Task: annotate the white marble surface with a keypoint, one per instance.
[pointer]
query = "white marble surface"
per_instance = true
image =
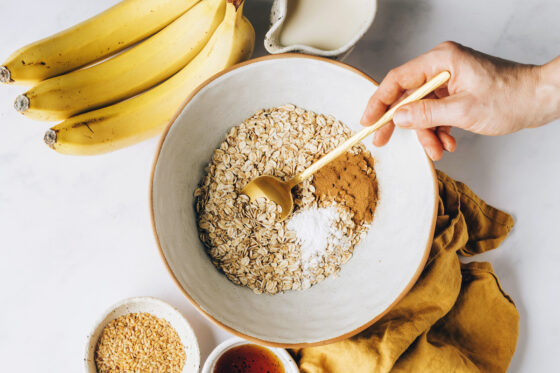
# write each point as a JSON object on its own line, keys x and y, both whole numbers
{"x": 75, "y": 233}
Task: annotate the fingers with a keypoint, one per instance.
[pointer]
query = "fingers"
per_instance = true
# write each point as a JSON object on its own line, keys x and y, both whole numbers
{"x": 430, "y": 113}
{"x": 434, "y": 146}
{"x": 431, "y": 143}
{"x": 411, "y": 75}
{"x": 383, "y": 134}
{"x": 436, "y": 141}
{"x": 448, "y": 141}
{"x": 374, "y": 110}
{"x": 407, "y": 76}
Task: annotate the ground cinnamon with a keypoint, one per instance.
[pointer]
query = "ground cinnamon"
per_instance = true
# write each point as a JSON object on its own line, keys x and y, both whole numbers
{"x": 349, "y": 180}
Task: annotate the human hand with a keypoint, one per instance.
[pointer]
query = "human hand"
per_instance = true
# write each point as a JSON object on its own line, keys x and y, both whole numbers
{"x": 484, "y": 95}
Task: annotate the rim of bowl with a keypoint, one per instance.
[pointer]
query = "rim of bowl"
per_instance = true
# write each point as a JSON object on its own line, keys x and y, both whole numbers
{"x": 317, "y": 51}
{"x": 285, "y": 358}
{"x": 90, "y": 337}
{"x": 229, "y": 329}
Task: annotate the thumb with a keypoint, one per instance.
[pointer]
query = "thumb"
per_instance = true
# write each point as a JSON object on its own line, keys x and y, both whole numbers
{"x": 428, "y": 113}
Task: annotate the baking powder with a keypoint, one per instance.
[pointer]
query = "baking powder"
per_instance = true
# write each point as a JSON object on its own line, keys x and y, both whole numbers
{"x": 316, "y": 232}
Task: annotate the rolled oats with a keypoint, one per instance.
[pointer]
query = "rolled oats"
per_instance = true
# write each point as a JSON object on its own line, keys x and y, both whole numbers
{"x": 245, "y": 239}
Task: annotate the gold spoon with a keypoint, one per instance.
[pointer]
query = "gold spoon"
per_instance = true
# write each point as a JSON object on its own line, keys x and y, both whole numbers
{"x": 279, "y": 191}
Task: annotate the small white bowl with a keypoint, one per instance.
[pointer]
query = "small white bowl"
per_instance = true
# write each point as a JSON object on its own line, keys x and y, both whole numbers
{"x": 277, "y": 19}
{"x": 154, "y": 307}
{"x": 287, "y": 362}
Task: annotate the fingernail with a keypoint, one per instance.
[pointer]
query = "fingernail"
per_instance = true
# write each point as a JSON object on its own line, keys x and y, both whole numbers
{"x": 365, "y": 116}
{"x": 403, "y": 118}
{"x": 431, "y": 153}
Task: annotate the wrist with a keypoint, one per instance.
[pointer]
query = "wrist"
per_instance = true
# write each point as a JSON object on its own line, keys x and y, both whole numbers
{"x": 548, "y": 91}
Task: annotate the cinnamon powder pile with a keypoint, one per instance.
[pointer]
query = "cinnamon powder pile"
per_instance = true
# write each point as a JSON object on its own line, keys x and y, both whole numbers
{"x": 349, "y": 180}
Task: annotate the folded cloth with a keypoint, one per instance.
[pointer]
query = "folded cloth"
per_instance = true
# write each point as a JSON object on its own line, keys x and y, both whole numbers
{"x": 456, "y": 318}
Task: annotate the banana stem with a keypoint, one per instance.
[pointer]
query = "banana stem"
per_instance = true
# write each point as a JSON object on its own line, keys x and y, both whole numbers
{"x": 236, "y": 3}
{"x": 5, "y": 75}
{"x": 50, "y": 137}
{"x": 21, "y": 103}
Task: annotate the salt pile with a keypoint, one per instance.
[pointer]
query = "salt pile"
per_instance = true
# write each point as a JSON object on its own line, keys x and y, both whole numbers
{"x": 316, "y": 232}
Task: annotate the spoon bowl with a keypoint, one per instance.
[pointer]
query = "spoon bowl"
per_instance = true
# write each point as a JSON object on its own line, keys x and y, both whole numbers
{"x": 273, "y": 189}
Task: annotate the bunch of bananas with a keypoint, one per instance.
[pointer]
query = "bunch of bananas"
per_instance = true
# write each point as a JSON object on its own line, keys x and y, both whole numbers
{"x": 133, "y": 95}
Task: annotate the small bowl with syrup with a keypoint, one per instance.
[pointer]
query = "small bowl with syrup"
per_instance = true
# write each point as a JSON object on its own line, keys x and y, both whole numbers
{"x": 240, "y": 356}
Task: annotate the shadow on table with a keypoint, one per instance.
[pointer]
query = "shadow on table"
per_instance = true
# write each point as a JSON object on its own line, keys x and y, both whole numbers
{"x": 258, "y": 12}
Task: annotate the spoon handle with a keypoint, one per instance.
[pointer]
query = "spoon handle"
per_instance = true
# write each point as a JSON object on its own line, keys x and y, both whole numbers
{"x": 421, "y": 92}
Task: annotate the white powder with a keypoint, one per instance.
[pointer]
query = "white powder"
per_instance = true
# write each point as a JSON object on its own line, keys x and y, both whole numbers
{"x": 316, "y": 232}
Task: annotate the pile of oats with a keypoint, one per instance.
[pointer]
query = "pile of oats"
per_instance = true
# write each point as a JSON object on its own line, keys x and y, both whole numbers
{"x": 244, "y": 239}
{"x": 139, "y": 342}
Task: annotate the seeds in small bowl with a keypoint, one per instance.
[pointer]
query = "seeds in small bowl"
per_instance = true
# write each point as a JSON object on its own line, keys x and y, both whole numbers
{"x": 139, "y": 342}
{"x": 156, "y": 309}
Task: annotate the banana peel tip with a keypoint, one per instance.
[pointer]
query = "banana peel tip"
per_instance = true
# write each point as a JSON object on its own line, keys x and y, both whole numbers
{"x": 21, "y": 103}
{"x": 50, "y": 138}
{"x": 5, "y": 75}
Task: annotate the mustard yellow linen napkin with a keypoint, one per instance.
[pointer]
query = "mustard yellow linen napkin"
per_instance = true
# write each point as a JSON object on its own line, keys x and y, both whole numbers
{"x": 455, "y": 319}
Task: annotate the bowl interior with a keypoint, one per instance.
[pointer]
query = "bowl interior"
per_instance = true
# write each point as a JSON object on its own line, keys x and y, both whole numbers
{"x": 386, "y": 262}
{"x": 157, "y": 308}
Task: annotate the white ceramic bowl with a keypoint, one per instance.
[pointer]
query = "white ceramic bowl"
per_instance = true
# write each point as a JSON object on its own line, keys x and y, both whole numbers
{"x": 278, "y": 16}
{"x": 385, "y": 264}
{"x": 287, "y": 362}
{"x": 157, "y": 308}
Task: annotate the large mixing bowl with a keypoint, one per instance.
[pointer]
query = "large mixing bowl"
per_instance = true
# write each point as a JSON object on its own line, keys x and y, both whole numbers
{"x": 385, "y": 264}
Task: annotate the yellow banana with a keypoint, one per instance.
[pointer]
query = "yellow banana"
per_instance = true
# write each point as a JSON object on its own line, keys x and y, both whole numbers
{"x": 103, "y": 35}
{"x": 127, "y": 74}
{"x": 144, "y": 116}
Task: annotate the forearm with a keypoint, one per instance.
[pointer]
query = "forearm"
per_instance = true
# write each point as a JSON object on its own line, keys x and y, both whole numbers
{"x": 548, "y": 92}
